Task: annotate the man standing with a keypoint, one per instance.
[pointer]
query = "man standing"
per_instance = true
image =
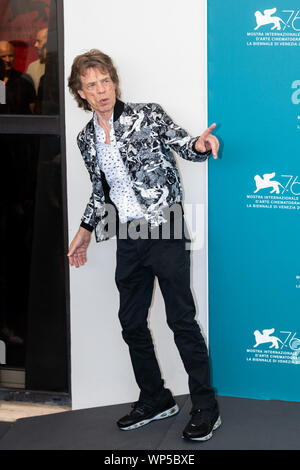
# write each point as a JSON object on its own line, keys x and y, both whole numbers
{"x": 37, "y": 68}
{"x": 127, "y": 150}
{"x": 20, "y": 95}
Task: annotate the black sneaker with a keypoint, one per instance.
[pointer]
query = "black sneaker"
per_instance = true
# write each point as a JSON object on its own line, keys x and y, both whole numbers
{"x": 201, "y": 425}
{"x": 143, "y": 414}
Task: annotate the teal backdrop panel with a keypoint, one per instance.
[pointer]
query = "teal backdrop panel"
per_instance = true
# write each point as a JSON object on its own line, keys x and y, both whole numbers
{"x": 254, "y": 198}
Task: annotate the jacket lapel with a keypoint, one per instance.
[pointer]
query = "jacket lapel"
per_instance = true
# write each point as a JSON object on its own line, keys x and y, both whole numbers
{"x": 120, "y": 128}
{"x": 90, "y": 138}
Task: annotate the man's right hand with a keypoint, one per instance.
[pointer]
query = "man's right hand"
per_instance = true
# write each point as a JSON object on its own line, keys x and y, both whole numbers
{"x": 78, "y": 248}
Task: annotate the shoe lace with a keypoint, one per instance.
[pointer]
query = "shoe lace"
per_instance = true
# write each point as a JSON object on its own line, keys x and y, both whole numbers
{"x": 200, "y": 416}
{"x": 140, "y": 408}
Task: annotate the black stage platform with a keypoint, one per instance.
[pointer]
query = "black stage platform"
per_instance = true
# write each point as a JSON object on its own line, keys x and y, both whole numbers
{"x": 246, "y": 425}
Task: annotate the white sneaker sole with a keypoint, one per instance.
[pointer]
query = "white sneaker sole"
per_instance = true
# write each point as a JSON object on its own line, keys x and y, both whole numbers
{"x": 208, "y": 436}
{"x": 164, "y": 414}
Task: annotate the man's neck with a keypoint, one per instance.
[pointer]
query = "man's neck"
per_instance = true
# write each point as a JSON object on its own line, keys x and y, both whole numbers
{"x": 103, "y": 121}
{"x": 104, "y": 117}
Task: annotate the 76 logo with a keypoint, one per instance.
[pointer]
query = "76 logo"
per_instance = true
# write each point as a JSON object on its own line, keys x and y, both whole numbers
{"x": 292, "y": 185}
{"x": 293, "y": 20}
{"x": 290, "y": 341}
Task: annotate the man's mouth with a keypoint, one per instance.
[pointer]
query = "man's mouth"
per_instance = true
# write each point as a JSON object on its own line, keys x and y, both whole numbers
{"x": 104, "y": 101}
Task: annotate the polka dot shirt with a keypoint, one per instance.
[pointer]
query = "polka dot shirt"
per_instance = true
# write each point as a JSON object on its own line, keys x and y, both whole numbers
{"x": 111, "y": 163}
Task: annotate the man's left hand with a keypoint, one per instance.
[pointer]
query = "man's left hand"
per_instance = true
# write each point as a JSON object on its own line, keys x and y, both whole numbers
{"x": 207, "y": 141}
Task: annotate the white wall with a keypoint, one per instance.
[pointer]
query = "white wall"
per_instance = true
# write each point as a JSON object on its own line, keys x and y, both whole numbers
{"x": 159, "y": 47}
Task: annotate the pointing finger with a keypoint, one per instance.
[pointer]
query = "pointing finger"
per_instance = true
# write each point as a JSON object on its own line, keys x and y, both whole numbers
{"x": 208, "y": 131}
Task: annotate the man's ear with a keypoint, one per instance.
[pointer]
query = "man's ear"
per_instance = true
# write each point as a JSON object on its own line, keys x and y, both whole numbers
{"x": 81, "y": 94}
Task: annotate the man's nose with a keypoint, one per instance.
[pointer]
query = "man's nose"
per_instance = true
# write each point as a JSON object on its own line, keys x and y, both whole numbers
{"x": 100, "y": 88}
{"x": 8, "y": 61}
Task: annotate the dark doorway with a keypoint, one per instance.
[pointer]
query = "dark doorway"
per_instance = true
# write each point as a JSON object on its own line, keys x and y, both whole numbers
{"x": 34, "y": 296}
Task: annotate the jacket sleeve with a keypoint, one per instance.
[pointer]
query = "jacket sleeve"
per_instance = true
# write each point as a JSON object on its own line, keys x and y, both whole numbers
{"x": 87, "y": 220}
{"x": 178, "y": 139}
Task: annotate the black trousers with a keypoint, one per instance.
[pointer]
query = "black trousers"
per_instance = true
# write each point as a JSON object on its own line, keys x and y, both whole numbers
{"x": 139, "y": 261}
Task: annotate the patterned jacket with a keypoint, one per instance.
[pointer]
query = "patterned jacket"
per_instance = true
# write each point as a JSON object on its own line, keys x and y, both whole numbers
{"x": 145, "y": 136}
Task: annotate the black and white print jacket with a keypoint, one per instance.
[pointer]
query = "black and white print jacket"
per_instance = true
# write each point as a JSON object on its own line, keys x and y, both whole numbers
{"x": 145, "y": 136}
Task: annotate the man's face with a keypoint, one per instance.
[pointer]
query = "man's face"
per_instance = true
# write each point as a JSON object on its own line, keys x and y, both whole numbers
{"x": 98, "y": 90}
{"x": 40, "y": 43}
{"x": 7, "y": 54}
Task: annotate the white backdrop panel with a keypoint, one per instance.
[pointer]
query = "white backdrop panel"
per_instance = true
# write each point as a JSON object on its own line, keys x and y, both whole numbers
{"x": 159, "y": 48}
